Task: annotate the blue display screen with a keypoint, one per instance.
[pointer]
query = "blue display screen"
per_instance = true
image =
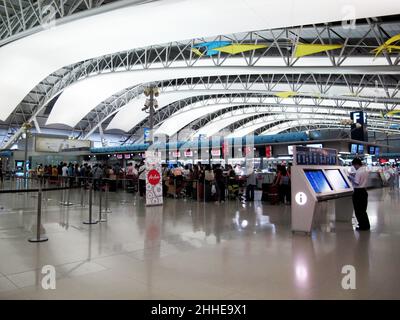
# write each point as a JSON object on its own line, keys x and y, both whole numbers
{"x": 360, "y": 148}
{"x": 318, "y": 181}
{"x": 371, "y": 150}
{"x": 377, "y": 151}
{"x": 337, "y": 179}
{"x": 353, "y": 148}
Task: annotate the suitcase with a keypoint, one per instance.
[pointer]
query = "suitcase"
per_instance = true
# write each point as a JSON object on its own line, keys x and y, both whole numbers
{"x": 273, "y": 195}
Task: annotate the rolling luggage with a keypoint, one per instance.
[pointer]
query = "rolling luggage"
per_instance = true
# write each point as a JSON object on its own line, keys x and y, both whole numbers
{"x": 273, "y": 195}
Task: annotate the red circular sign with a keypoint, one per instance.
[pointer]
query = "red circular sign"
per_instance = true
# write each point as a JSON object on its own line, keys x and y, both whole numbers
{"x": 153, "y": 177}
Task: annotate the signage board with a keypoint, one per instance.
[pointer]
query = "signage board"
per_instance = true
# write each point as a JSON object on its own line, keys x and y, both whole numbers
{"x": 154, "y": 190}
{"x": 146, "y": 135}
{"x": 49, "y": 144}
{"x": 315, "y": 156}
{"x": 268, "y": 151}
{"x": 188, "y": 153}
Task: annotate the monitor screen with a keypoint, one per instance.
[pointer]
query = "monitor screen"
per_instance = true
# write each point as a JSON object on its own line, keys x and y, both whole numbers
{"x": 377, "y": 151}
{"x": 318, "y": 180}
{"x": 337, "y": 179}
{"x": 315, "y": 145}
{"x": 353, "y": 148}
{"x": 371, "y": 150}
{"x": 19, "y": 163}
{"x": 360, "y": 148}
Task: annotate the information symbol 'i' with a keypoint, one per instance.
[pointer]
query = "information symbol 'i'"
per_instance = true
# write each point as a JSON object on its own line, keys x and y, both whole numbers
{"x": 301, "y": 198}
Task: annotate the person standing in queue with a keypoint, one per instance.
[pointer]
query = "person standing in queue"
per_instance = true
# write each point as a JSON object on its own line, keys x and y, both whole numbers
{"x": 360, "y": 195}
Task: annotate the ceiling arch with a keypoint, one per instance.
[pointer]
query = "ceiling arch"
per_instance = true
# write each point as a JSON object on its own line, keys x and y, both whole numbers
{"x": 110, "y": 32}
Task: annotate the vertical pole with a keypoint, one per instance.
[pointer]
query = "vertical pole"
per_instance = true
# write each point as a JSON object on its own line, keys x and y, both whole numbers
{"x": 90, "y": 221}
{"x": 100, "y": 194}
{"x": 38, "y": 237}
{"x": 151, "y": 113}
{"x": 82, "y": 196}
{"x": 25, "y": 153}
{"x": 107, "y": 209}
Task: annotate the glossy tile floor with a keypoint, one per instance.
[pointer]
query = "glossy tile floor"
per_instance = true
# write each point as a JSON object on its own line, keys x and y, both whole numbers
{"x": 192, "y": 250}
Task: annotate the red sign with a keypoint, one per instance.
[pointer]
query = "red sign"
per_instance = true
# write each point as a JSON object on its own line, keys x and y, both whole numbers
{"x": 225, "y": 149}
{"x": 153, "y": 177}
{"x": 268, "y": 151}
{"x": 215, "y": 152}
{"x": 188, "y": 153}
{"x": 176, "y": 154}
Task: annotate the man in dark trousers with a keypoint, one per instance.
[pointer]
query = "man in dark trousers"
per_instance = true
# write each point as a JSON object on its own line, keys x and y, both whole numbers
{"x": 360, "y": 195}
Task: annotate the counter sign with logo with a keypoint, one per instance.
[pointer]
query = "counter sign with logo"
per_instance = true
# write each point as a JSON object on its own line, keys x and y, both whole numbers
{"x": 154, "y": 195}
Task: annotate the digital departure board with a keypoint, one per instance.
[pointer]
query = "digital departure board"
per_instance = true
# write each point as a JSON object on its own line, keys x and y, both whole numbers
{"x": 315, "y": 156}
{"x": 318, "y": 180}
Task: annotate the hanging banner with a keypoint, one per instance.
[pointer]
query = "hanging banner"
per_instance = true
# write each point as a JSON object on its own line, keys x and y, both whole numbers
{"x": 305, "y": 49}
{"x": 146, "y": 135}
{"x": 154, "y": 194}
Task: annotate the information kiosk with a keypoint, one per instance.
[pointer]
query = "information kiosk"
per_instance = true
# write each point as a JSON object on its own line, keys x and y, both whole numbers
{"x": 317, "y": 177}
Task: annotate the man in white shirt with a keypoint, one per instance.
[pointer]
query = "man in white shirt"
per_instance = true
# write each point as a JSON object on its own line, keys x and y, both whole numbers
{"x": 65, "y": 170}
{"x": 360, "y": 195}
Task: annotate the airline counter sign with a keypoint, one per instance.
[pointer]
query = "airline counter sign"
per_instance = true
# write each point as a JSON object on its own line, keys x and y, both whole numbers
{"x": 154, "y": 195}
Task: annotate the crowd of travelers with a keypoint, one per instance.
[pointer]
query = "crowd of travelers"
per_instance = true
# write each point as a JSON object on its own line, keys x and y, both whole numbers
{"x": 204, "y": 182}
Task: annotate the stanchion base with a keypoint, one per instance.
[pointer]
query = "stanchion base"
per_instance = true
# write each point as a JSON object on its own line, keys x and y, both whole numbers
{"x": 41, "y": 239}
{"x": 66, "y": 204}
{"x": 90, "y": 222}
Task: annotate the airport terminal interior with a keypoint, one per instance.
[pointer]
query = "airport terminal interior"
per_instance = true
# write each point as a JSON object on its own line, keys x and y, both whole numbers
{"x": 199, "y": 149}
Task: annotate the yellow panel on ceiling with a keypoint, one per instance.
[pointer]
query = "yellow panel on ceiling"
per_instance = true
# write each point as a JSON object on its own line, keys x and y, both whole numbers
{"x": 388, "y": 45}
{"x": 388, "y": 48}
{"x": 303, "y": 49}
{"x": 285, "y": 94}
{"x": 392, "y": 113}
{"x": 197, "y": 51}
{"x": 239, "y": 48}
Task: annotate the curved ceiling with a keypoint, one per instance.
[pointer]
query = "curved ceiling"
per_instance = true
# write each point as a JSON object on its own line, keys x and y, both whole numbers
{"x": 26, "y": 62}
{"x": 187, "y": 115}
{"x": 80, "y": 98}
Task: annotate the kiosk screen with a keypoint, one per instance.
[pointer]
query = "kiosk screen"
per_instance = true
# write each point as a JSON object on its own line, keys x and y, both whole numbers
{"x": 318, "y": 180}
{"x": 337, "y": 179}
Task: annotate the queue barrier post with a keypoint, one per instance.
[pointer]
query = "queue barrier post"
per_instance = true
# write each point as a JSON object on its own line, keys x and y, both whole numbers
{"x": 107, "y": 209}
{"x": 101, "y": 219}
{"x": 83, "y": 191}
{"x": 39, "y": 237}
{"x": 66, "y": 194}
{"x": 90, "y": 221}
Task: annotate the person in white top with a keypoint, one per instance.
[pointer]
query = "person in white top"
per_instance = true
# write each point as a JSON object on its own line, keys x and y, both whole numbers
{"x": 360, "y": 195}
{"x": 65, "y": 170}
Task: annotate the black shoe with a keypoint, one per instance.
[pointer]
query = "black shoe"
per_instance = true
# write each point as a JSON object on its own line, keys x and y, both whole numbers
{"x": 362, "y": 229}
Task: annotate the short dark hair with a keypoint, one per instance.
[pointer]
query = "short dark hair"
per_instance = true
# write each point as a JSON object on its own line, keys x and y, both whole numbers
{"x": 356, "y": 161}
